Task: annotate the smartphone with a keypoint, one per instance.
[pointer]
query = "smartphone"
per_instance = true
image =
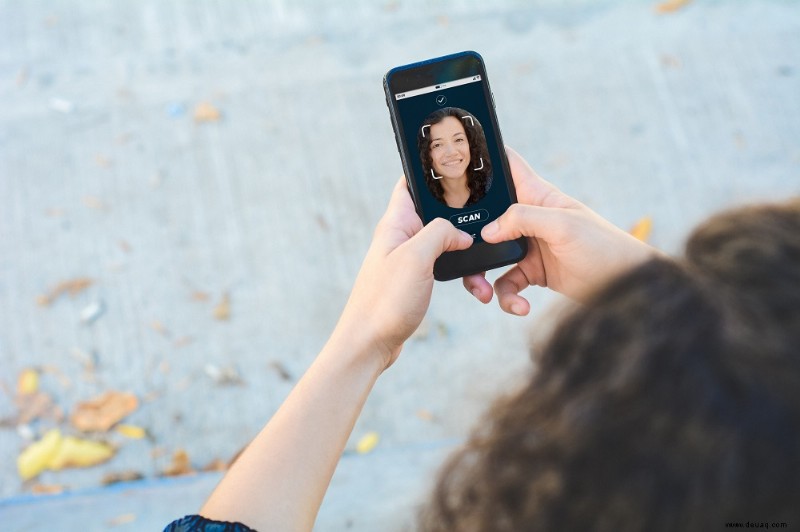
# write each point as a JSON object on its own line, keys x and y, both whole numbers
{"x": 445, "y": 125}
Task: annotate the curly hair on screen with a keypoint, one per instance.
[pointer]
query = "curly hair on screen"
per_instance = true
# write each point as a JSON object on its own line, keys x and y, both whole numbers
{"x": 669, "y": 401}
{"x": 478, "y": 181}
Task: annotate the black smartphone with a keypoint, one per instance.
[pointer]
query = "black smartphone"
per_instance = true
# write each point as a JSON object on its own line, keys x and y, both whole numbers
{"x": 446, "y": 129}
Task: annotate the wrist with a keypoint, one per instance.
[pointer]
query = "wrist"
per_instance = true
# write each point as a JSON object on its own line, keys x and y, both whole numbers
{"x": 357, "y": 348}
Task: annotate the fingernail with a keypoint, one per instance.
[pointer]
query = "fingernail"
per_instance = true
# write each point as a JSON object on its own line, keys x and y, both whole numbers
{"x": 517, "y": 309}
{"x": 490, "y": 229}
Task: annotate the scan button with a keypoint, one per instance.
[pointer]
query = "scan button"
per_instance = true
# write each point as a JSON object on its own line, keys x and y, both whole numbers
{"x": 466, "y": 218}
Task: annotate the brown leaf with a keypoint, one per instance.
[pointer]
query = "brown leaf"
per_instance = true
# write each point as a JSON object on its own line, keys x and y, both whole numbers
{"x": 180, "y": 465}
{"x": 215, "y": 465}
{"x": 205, "y": 112}
{"x": 670, "y": 6}
{"x": 160, "y": 328}
{"x": 35, "y": 406}
{"x": 425, "y": 415}
{"x": 223, "y": 309}
{"x": 122, "y": 519}
{"x": 72, "y": 287}
{"x": 95, "y": 203}
{"x": 47, "y": 489}
{"x": 116, "y": 477}
{"x": 281, "y": 370}
{"x": 103, "y": 412}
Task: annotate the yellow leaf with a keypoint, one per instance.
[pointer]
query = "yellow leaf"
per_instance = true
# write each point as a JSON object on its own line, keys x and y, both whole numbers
{"x": 671, "y": 5}
{"x": 132, "y": 431}
{"x": 223, "y": 310}
{"x": 74, "y": 452}
{"x": 28, "y": 382}
{"x": 642, "y": 228}
{"x": 205, "y": 112}
{"x": 367, "y": 442}
{"x": 122, "y": 519}
{"x": 36, "y": 457}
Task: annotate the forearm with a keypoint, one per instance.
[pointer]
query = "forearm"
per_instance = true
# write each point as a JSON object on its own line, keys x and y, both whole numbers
{"x": 280, "y": 479}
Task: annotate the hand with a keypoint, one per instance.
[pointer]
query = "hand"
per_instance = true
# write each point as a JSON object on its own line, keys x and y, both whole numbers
{"x": 393, "y": 289}
{"x": 571, "y": 249}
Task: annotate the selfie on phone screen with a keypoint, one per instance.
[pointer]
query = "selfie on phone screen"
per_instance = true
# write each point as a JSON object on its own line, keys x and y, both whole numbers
{"x": 448, "y": 137}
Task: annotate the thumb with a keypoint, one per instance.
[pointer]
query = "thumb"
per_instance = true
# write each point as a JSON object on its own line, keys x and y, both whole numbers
{"x": 436, "y": 238}
{"x": 528, "y": 221}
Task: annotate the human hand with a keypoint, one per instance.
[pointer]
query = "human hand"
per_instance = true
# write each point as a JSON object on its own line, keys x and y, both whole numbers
{"x": 570, "y": 248}
{"x": 393, "y": 288}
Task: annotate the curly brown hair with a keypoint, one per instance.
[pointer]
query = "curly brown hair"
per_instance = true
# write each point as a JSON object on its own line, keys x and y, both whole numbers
{"x": 478, "y": 181}
{"x": 670, "y": 401}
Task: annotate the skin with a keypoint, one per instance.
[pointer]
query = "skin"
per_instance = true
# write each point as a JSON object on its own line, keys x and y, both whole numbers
{"x": 280, "y": 479}
{"x": 451, "y": 158}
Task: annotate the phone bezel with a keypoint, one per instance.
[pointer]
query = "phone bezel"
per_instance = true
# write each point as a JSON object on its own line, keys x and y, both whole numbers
{"x": 481, "y": 256}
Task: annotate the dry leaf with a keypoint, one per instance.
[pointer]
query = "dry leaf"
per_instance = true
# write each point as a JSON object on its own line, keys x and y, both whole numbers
{"x": 180, "y": 465}
{"x": 223, "y": 310}
{"x": 35, "y": 406}
{"x": 183, "y": 341}
{"x": 216, "y": 465}
{"x": 121, "y": 476}
{"x": 95, "y": 203}
{"x": 28, "y": 382}
{"x": 281, "y": 370}
{"x": 122, "y": 519}
{"x": 670, "y": 6}
{"x": 47, "y": 489}
{"x": 103, "y": 412}
{"x": 132, "y": 431}
{"x": 159, "y": 328}
{"x": 205, "y": 112}
{"x": 102, "y": 161}
{"x": 49, "y": 369}
{"x": 642, "y": 228}
{"x": 76, "y": 452}
{"x": 72, "y": 287}
{"x": 367, "y": 442}
{"x": 425, "y": 415}
{"x": 198, "y": 295}
{"x": 36, "y": 457}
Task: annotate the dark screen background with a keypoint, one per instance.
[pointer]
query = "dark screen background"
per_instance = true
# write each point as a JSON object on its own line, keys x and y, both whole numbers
{"x": 472, "y": 98}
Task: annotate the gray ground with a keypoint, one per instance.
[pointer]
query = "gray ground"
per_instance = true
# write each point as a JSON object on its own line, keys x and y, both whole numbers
{"x": 104, "y": 174}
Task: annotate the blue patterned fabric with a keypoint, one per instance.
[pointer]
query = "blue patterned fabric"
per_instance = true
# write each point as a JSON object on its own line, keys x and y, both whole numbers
{"x": 198, "y": 523}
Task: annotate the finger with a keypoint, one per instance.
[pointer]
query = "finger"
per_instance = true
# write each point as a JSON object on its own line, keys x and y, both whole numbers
{"x": 400, "y": 221}
{"x": 551, "y": 225}
{"x": 479, "y": 287}
{"x": 508, "y": 286}
{"x": 400, "y": 196}
{"x": 436, "y": 238}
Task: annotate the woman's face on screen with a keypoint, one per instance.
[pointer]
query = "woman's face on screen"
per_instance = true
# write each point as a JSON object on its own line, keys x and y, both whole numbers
{"x": 449, "y": 148}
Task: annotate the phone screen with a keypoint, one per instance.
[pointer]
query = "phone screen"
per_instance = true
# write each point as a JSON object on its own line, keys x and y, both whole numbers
{"x": 447, "y": 134}
{"x": 454, "y": 153}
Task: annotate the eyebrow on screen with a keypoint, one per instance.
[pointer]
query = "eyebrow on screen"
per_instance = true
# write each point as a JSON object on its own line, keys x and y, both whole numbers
{"x": 440, "y": 138}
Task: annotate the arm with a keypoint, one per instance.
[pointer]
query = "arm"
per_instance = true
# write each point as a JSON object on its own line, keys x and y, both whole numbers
{"x": 280, "y": 479}
{"x": 571, "y": 249}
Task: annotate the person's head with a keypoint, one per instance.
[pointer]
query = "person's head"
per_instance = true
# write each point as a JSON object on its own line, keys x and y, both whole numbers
{"x": 670, "y": 401}
{"x": 452, "y": 146}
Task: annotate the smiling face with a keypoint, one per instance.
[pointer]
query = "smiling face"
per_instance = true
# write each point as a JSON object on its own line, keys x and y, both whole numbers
{"x": 449, "y": 148}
